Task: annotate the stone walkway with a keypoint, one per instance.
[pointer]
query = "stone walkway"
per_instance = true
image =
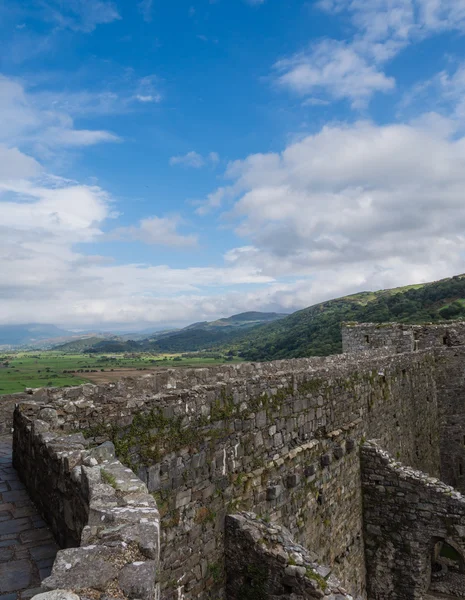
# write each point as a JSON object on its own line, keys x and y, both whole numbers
{"x": 27, "y": 547}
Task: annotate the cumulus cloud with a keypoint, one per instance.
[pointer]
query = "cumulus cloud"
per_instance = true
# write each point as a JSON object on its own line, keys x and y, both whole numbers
{"x": 44, "y": 218}
{"x": 335, "y": 68}
{"x": 348, "y": 208}
{"x": 161, "y": 231}
{"x": 354, "y": 69}
{"x": 366, "y": 204}
{"x": 195, "y": 160}
{"x": 14, "y": 164}
{"x": 47, "y": 221}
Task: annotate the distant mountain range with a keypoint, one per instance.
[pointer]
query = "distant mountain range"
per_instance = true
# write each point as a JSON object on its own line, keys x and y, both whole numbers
{"x": 197, "y": 336}
{"x": 32, "y": 333}
{"x": 313, "y": 331}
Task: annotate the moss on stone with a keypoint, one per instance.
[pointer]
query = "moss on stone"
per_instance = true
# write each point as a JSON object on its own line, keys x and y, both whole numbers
{"x": 311, "y": 386}
{"x": 108, "y": 478}
{"x": 311, "y": 574}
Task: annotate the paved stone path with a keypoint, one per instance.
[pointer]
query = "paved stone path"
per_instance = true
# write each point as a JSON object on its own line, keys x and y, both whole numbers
{"x": 27, "y": 547}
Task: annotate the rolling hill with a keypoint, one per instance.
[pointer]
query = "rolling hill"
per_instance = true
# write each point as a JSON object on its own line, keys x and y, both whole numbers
{"x": 313, "y": 331}
{"x": 316, "y": 331}
{"x": 197, "y": 336}
{"x": 81, "y": 344}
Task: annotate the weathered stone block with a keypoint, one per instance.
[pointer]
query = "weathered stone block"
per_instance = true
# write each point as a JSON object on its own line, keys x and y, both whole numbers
{"x": 273, "y": 492}
{"x": 137, "y": 580}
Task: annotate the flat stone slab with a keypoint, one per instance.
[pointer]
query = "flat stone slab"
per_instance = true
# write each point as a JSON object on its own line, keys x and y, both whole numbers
{"x": 15, "y": 575}
{"x": 27, "y": 546}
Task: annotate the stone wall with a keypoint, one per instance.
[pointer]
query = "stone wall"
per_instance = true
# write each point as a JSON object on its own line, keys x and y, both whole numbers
{"x": 264, "y": 562}
{"x": 7, "y": 408}
{"x": 97, "y": 508}
{"x": 398, "y": 337}
{"x": 406, "y": 513}
{"x": 391, "y": 337}
{"x": 280, "y": 439}
{"x": 450, "y": 382}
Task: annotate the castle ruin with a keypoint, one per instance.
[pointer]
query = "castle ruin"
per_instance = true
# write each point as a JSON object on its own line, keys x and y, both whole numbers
{"x": 336, "y": 478}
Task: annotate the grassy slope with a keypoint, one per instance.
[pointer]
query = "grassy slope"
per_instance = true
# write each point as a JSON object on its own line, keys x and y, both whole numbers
{"x": 78, "y": 345}
{"x": 316, "y": 330}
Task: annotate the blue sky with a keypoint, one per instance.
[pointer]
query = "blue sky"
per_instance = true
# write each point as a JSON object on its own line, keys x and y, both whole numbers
{"x": 168, "y": 162}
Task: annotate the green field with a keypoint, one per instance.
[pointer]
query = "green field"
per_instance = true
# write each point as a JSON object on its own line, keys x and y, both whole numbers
{"x": 22, "y": 370}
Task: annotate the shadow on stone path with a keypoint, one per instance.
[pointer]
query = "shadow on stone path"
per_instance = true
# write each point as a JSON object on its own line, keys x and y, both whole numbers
{"x": 27, "y": 546}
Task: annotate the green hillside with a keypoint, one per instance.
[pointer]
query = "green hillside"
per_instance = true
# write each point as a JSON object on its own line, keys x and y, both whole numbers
{"x": 79, "y": 345}
{"x": 316, "y": 331}
{"x": 313, "y": 331}
{"x": 192, "y": 338}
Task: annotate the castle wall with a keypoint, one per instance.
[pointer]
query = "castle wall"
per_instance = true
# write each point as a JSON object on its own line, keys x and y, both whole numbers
{"x": 264, "y": 562}
{"x": 97, "y": 508}
{"x": 399, "y": 337}
{"x": 406, "y": 513}
{"x": 450, "y": 382}
{"x": 279, "y": 438}
{"x": 391, "y": 337}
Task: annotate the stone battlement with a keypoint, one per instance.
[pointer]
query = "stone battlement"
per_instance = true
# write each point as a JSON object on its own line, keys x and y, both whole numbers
{"x": 279, "y": 440}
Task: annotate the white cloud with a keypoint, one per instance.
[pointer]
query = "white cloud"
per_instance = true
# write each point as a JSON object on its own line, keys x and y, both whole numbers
{"x": 315, "y": 102}
{"x": 147, "y": 89}
{"x": 14, "y": 164}
{"x": 354, "y": 206}
{"x": 444, "y": 93}
{"x": 41, "y": 222}
{"x": 161, "y": 231}
{"x": 354, "y": 69}
{"x": 335, "y": 68}
{"x": 348, "y": 208}
{"x": 195, "y": 160}
{"x": 149, "y": 98}
{"x": 81, "y": 137}
{"x": 23, "y": 120}
{"x": 400, "y": 19}
{"x": 118, "y": 95}
{"x": 191, "y": 159}
{"x": 80, "y": 15}
{"x": 214, "y": 200}
{"x": 145, "y": 7}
